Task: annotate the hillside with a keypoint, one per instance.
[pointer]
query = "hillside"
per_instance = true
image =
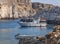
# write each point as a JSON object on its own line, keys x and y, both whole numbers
{"x": 46, "y": 10}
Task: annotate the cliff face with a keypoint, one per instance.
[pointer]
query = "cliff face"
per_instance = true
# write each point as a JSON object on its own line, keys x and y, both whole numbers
{"x": 15, "y": 8}
{"x": 46, "y": 10}
{"x": 38, "y": 5}
{"x": 25, "y": 8}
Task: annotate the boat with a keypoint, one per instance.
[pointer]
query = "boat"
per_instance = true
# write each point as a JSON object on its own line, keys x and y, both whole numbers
{"x": 32, "y": 22}
{"x": 43, "y": 22}
{"x": 24, "y": 36}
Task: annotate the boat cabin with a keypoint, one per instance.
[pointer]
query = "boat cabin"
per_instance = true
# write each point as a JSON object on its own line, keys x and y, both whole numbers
{"x": 26, "y": 20}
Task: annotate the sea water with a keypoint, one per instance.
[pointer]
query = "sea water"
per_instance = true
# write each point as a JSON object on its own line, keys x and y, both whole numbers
{"x": 9, "y": 28}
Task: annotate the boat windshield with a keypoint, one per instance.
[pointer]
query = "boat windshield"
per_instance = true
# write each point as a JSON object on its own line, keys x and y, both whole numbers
{"x": 26, "y": 20}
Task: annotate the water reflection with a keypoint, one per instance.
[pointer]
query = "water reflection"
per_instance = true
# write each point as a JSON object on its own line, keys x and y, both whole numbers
{"x": 37, "y": 31}
{"x": 9, "y": 29}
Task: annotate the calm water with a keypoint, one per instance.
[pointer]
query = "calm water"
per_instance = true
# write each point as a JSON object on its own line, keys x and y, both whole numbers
{"x": 9, "y": 28}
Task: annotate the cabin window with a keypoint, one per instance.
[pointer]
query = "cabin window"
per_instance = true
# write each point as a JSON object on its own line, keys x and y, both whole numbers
{"x": 26, "y": 20}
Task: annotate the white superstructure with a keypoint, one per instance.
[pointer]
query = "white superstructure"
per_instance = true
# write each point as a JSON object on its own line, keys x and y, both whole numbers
{"x": 32, "y": 22}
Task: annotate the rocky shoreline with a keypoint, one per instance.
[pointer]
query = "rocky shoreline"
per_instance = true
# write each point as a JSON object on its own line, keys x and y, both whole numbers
{"x": 50, "y": 38}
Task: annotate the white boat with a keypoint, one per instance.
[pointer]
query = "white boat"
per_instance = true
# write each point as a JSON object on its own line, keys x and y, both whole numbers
{"x": 43, "y": 22}
{"x": 32, "y": 22}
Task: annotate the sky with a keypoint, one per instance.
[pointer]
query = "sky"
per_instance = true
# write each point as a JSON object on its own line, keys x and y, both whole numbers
{"x": 54, "y": 2}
